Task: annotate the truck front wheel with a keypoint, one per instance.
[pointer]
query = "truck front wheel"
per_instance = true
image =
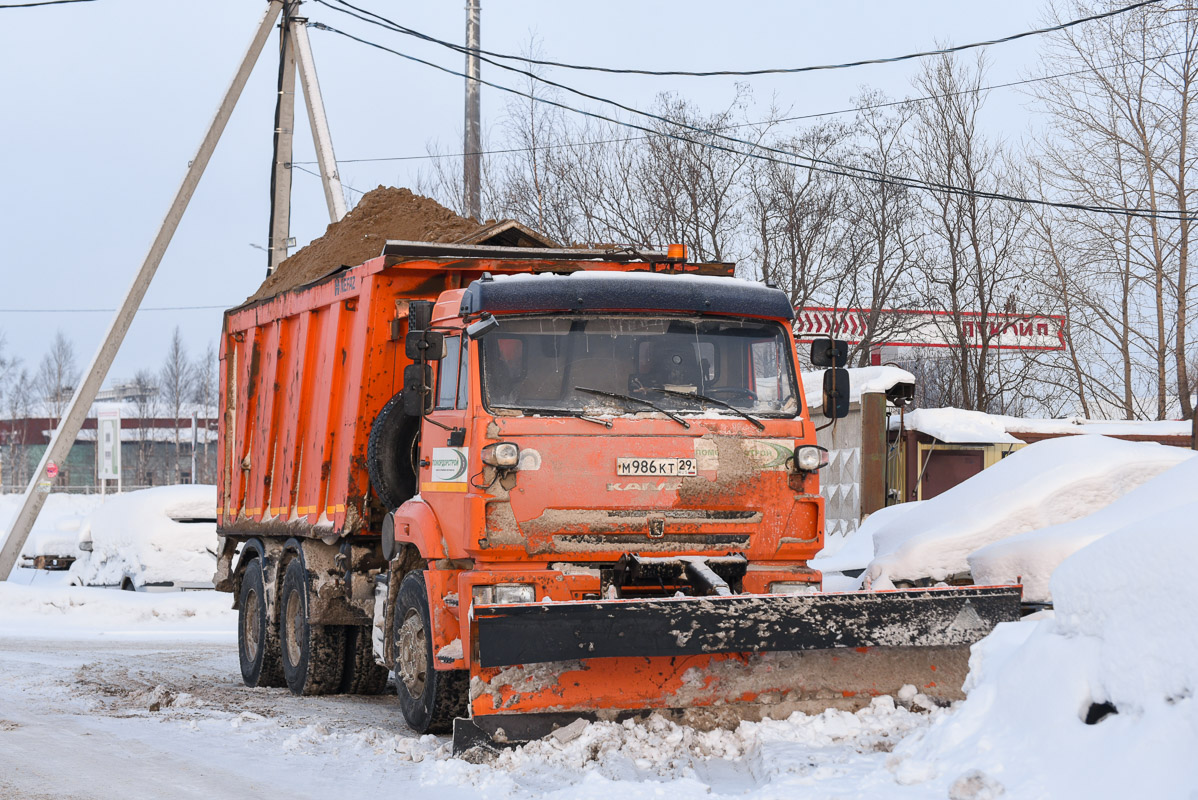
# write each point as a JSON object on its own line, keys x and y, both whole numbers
{"x": 258, "y": 647}
{"x": 313, "y": 655}
{"x": 429, "y": 699}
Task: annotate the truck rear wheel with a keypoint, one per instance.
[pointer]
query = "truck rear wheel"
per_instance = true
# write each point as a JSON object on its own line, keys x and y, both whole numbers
{"x": 389, "y": 454}
{"x": 362, "y": 674}
{"x": 429, "y": 699}
{"x": 313, "y": 655}
{"x": 258, "y": 647}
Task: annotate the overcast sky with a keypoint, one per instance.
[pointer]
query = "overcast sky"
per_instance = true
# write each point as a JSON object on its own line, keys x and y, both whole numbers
{"x": 104, "y": 103}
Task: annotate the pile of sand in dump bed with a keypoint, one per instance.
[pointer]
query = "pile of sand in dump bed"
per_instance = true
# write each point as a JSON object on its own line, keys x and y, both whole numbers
{"x": 383, "y": 213}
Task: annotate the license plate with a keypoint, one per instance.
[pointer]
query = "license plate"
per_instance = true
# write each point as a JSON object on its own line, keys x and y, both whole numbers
{"x": 656, "y": 466}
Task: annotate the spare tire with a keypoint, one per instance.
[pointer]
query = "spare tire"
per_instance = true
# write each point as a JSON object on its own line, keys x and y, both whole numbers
{"x": 389, "y": 454}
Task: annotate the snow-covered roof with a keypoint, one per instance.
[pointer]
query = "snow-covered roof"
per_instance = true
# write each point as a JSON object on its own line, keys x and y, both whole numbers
{"x": 959, "y": 426}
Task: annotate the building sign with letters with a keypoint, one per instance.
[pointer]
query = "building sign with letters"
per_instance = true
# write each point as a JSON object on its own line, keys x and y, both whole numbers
{"x": 922, "y": 328}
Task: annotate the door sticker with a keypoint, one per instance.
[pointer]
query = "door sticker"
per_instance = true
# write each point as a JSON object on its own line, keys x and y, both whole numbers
{"x": 450, "y": 464}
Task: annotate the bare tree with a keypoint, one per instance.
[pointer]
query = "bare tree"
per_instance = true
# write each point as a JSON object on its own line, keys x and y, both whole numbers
{"x": 972, "y": 269}
{"x": 176, "y": 380}
{"x": 798, "y": 218}
{"x": 57, "y": 375}
{"x": 1119, "y": 135}
{"x": 204, "y": 390}
{"x": 145, "y": 405}
{"x": 883, "y": 219}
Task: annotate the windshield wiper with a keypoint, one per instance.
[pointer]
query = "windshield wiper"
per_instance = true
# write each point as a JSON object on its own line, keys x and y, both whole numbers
{"x": 704, "y": 398}
{"x": 567, "y": 413}
{"x": 629, "y": 397}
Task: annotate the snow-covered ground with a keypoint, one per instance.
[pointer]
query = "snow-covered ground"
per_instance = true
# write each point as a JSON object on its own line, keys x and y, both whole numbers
{"x": 120, "y": 694}
{"x": 98, "y": 677}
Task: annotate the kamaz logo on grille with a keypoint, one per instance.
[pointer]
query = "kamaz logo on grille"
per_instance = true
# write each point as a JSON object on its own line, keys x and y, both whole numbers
{"x": 644, "y": 486}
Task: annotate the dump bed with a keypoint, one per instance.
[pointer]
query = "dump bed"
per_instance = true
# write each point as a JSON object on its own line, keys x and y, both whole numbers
{"x": 304, "y": 374}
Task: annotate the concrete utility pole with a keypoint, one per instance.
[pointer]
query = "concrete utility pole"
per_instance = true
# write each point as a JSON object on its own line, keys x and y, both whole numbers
{"x": 472, "y": 160}
{"x": 64, "y": 435}
{"x": 334, "y": 196}
{"x": 280, "y": 168}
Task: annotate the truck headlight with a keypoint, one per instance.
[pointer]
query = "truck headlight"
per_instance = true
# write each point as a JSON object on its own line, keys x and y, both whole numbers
{"x": 504, "y": 594}
{"x": 794, "y": 587}
{"x": 501, "y": 454}
{"x": 809, "y": 458}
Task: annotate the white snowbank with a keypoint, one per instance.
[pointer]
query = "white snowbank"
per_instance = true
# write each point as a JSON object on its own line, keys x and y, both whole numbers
{"x": 862, "y": 380}
{"x": 57, "y": 526}
{"x": 1044, "y": 484}
{"x": 856, "y": 550}
{"x": 138, "y": 536}
{"x": 1030, "y": 558}
{"x": 1124, "y": 632}
{"x": 66, "y": 612}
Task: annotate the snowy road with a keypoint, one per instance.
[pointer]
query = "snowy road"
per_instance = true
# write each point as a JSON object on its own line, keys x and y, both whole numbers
{"x": 146, "y": 712}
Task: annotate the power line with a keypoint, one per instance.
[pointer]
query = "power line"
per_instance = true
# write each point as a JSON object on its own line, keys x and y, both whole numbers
{"x": 43, "y": 3}
{"x": 833, "y": 168}
{"x": 296, "y": 165}
{"x": 748, "y": 72}
{"x": 814, "y": 115}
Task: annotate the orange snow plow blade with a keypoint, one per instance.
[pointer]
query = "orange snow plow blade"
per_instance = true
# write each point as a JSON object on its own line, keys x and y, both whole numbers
{"x": 714, "y": 661}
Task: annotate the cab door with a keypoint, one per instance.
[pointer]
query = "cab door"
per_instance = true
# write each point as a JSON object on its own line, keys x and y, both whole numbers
{"x": 444, "y": 446}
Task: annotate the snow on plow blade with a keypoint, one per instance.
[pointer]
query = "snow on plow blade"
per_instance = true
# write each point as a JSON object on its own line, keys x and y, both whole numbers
{"x": 713, "y": 661}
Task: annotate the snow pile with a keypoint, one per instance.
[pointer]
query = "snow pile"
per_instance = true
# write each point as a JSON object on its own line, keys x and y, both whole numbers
{"x": 1124, "y": 633}
{"x": 856, "y": 550}
{"x": 1047, "y": 483}
{"x": 839, "y": 752}
{"x": 862, "y": 380}
{"x": 1030, "y": 558}
{"x": 57, "y": 526}
{"x": 139, "y": 536}
{"x": 78, "y": 611}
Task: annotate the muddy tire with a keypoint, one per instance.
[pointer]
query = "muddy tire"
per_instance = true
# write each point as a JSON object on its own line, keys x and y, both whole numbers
{"x": 258, "y": 647}
{"x": 361, "y": 673}
{"x": 430, "y": 699}
{"x": 313, "y": 655}
{"x": 389, "y": 454}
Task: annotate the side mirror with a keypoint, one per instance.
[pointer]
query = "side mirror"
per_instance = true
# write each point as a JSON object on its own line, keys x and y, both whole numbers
{"x": 485, "y": 325}
{"x": 829, "y": 353}
{"x": 836, "y": 393}
{"x": 420, "y": 346}
{"x": 417, "y": 390}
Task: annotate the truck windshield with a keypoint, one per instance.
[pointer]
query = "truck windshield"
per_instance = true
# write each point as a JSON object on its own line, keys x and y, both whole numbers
{"x": 542, "y": 364}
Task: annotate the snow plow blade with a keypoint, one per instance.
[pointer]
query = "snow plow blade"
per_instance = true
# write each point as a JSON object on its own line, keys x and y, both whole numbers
{"x": 714, "y": 661}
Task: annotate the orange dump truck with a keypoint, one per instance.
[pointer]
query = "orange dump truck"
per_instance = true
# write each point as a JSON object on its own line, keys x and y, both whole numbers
{"x": 539, "y": 485}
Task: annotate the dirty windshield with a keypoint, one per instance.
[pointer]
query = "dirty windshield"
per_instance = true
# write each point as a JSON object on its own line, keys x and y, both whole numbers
{"x": 582, "y": 365}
